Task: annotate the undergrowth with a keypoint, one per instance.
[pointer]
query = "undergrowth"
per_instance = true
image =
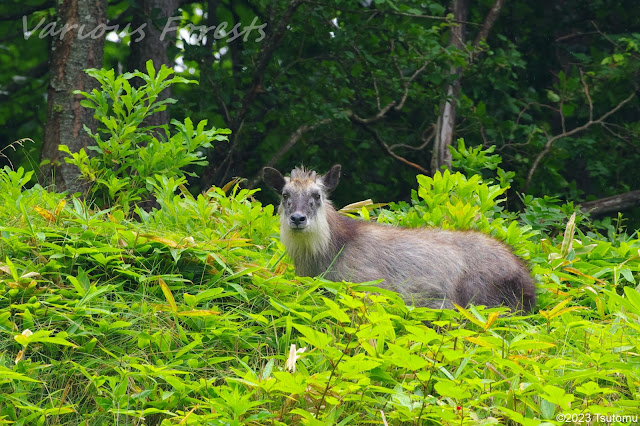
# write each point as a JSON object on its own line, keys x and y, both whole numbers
{"x": 191, "y": 314}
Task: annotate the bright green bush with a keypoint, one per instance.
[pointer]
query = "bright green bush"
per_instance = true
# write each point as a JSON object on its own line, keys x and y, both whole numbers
{"x": 128, "y": 154}
{"x": 191, "y": 314}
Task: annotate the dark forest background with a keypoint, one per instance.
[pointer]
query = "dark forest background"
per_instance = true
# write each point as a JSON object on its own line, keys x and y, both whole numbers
{"x": 382, "y": 87}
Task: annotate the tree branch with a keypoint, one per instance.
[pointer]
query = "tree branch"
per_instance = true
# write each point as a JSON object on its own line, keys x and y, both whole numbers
{"x": 396, "y": 105}
{"x": 419, "y": 71}
{"x": 381, "y": 113}
{"x": 613, "y": 204}
{"x": 586, "y": 93}
{"x": 547, "y": 146}
{"x": 297, "y": 135}
{"x": 425, "y": 140}
{"x": 265, "y": 55}
{"x": 384, "y": 146}
{"x": 264, "y": 58}
{"x": 293, "y": 139}
{"x": 489, "y": 20}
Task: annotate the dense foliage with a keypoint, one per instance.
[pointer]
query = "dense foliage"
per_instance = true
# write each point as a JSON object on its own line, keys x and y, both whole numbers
{"x": 542, "y": 87}
{"x": 128, "y": 156}
{"x": 191, "y": 314}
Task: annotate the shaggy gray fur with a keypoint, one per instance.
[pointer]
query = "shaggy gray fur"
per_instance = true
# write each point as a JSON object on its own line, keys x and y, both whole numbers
{"x": 429, "y": 267}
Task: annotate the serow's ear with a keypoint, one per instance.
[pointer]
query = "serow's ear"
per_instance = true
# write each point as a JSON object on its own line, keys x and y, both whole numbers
{"x": 273, "y": 178}
{"x": 331, "y": 179}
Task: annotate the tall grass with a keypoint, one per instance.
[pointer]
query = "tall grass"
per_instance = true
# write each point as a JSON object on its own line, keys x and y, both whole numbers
{"x": 191, "y": 314}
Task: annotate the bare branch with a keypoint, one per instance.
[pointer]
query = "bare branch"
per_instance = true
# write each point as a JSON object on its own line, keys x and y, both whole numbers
{"x": 604, "y": 35}
{"x": 574, "y": 34}
{"x": 483, "y": 135}
{"x": 547, "y": 146}
{"x": 628, "y": 139}
{"x": 425, "y": 140}
{"x": 613, "y": 204}
{"x": 374, "y": 118}
{"x": 522, "y": 111}
{"x": 520, "y": 114}
{"x": 384, "y": 146}
{"x": 489, "y": 20}
{"x": 586, "y": 92}
{"x": 399, "y": 106}
{"x": 562, "y": 119}
{"x": 529, "y": 104}
{"x": 293, "y": 139}
{"x": 375, "y": 86}
{"x": 393, "y": 104}
{"x": 511, "y": 145}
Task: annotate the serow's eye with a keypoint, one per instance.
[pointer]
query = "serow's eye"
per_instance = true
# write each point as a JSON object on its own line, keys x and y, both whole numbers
{"x": 316, "y": 196}
{"x": 285, "y": 196}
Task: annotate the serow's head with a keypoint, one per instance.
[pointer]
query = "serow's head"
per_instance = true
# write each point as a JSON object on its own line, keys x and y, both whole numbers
{"x": 303, "y": 195}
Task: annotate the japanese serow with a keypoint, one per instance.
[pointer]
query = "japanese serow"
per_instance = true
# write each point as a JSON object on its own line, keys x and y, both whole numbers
{"x": 428, "y": 267}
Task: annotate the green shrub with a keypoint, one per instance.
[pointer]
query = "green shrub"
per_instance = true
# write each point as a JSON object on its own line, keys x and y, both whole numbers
{"x": 128, "y": 155}
{"x": 191, "y": 314}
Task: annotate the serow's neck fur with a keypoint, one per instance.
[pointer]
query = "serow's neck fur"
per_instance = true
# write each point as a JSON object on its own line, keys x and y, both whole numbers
{"x": 314, "y": 249}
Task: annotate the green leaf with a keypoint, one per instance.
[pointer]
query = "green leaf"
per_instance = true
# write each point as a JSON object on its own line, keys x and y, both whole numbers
{"x": 547, "y": 409}
{"x": 448, "y": 388}
{"x": 552, "y": 96}
{"x": 424, "y": 334}
{"x": 403, "y": 358}
{"x": 167, "y": 292}
{"x": 188, "y": 348}
{"x": 42, "y": 336}
{"x": 558, "y": 396}
{"x": 530, "y": 345}
{"x": 336, "y": 312}
{"x": 7, "y": 375}
{"x": 357, "y": 366}
{"x": 592, "y": 388}
{"x": 634, "y": 297}
{"x": 313, "y": 337}
{"x": 151, "y": 71}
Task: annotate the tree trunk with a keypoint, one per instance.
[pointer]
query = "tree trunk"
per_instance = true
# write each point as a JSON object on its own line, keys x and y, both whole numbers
{"x": 154, "y": 14}
{"x": 445, "y": 126}
{"x": 447, "y": 119}
{"x": 613, "y": 204}
{"x": 80, "y": 48}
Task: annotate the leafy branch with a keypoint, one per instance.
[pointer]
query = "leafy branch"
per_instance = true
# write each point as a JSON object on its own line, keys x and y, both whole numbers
{"x": 129, "y": 156}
